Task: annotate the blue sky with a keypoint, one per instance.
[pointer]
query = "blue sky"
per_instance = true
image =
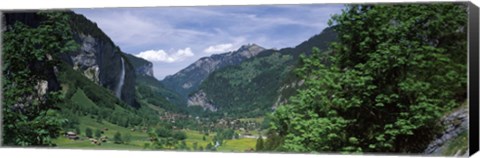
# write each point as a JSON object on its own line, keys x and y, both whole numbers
{"x": 174, "y": 37}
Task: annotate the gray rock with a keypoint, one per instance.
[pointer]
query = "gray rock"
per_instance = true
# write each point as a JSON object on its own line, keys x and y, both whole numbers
{"x": 455, "y": 123}
{"x": 200, "y": 99}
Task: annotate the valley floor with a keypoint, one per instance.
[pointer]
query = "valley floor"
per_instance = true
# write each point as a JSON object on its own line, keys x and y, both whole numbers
{"x": 140, "y": 138}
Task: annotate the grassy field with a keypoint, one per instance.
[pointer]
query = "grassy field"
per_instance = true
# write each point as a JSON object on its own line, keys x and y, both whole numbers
{"x": 138, "y": 137}
{"x": 238, "y": 145}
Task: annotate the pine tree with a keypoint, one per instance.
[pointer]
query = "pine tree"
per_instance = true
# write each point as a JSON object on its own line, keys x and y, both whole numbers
{"x": 259, "y": 145}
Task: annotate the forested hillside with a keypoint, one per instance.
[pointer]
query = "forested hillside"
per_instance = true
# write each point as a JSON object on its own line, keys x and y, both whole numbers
{"x": 395, "y": 71}
{"x": 251, "y": 88}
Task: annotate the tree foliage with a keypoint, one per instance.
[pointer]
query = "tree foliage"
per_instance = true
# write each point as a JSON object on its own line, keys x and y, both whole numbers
{"x": 259, "y": 144}
{"x": 98, "y": 133}
{"x": 29, "y": 112}
{"x": 88, "y": 132}
{"x": 393, "y": 73}
{"x": 117, "y": 138}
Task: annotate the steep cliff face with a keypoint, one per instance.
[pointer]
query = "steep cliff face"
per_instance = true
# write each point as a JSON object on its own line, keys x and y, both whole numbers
{"x": 97, "y": 58}
{"x": 142, "y": 67}
{"x": 100, "y": 60}
{"x": 188, "y": 79}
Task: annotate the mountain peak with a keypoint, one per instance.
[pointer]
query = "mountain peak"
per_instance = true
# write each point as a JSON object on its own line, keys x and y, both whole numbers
{"x": 249, "y": 46}
{"x": 187, "y": 80}
{"x": 249, "y": 50}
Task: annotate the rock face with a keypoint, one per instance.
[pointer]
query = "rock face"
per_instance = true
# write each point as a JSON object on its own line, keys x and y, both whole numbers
{"x": 187, "y": 80}
{"x": 281, "y": 99}
{"x": 142, "y": 67}
{"x": 200, "y": 99}
{"x": 98, "y": 58}
{"x": 455, "y": 123}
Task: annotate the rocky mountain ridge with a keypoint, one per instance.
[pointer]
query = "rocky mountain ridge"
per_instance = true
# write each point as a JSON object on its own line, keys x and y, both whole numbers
{"x": 258, "y": 84}
{"x": 187, "y": 80}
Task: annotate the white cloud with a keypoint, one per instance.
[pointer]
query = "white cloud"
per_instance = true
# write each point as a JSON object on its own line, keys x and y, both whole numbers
{"x": 162, "y": 56}
{"x": 221, "y": 48}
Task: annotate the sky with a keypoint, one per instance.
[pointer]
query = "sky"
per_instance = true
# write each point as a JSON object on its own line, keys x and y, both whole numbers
{"x": 174, "y": 37}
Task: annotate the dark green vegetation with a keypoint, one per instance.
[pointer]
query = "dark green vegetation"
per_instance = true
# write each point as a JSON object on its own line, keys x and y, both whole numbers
{"x": 251, "y": 88}
{"x": 151, "y": 91}
{"x": 30, "y": 116}
{"x": 85, "y": 98}
{"x": 394, "y": 71}
{"x": 247, "y": 90}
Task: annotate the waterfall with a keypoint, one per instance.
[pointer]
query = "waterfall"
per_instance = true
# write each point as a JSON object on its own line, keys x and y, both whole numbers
{"x": 118, "y": 90}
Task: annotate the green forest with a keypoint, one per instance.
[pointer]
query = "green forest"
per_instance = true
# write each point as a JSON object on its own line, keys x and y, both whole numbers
{"x": 379, "y": 79}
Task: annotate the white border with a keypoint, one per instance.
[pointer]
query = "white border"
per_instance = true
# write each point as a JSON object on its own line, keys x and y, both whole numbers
{"x": 74, "y": 153}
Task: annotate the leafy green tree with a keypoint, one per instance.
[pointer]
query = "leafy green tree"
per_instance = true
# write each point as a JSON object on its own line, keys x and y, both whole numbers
{"x": 180, "y": 135}
{"x": 273, "y": 141}
{"x": 29, "y": 113}
{"x": 88, "y": 132}
{"x": 98, "y": 133}
{"x": 259, "y": 145}
{"x": 392, "y": 74}
{"x": 204, "y": 138}
{"x": 163, "y": 132}
{"x": 117, "y": 138}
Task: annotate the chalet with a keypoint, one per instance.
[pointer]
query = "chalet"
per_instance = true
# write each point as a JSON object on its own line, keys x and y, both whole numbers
{"x": 71, "y": 135}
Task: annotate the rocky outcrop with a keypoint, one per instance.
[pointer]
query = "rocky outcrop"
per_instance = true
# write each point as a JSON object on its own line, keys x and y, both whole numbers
{"x": 283, "y": 95}
{"x": 200, "y": 99}
{"x": 101, "y": 62}
{"x": 454, "y": 123}
{"x": 142, "y": 67}
{"x": 98, "y": 58}
{"x": 187, "y": 80}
